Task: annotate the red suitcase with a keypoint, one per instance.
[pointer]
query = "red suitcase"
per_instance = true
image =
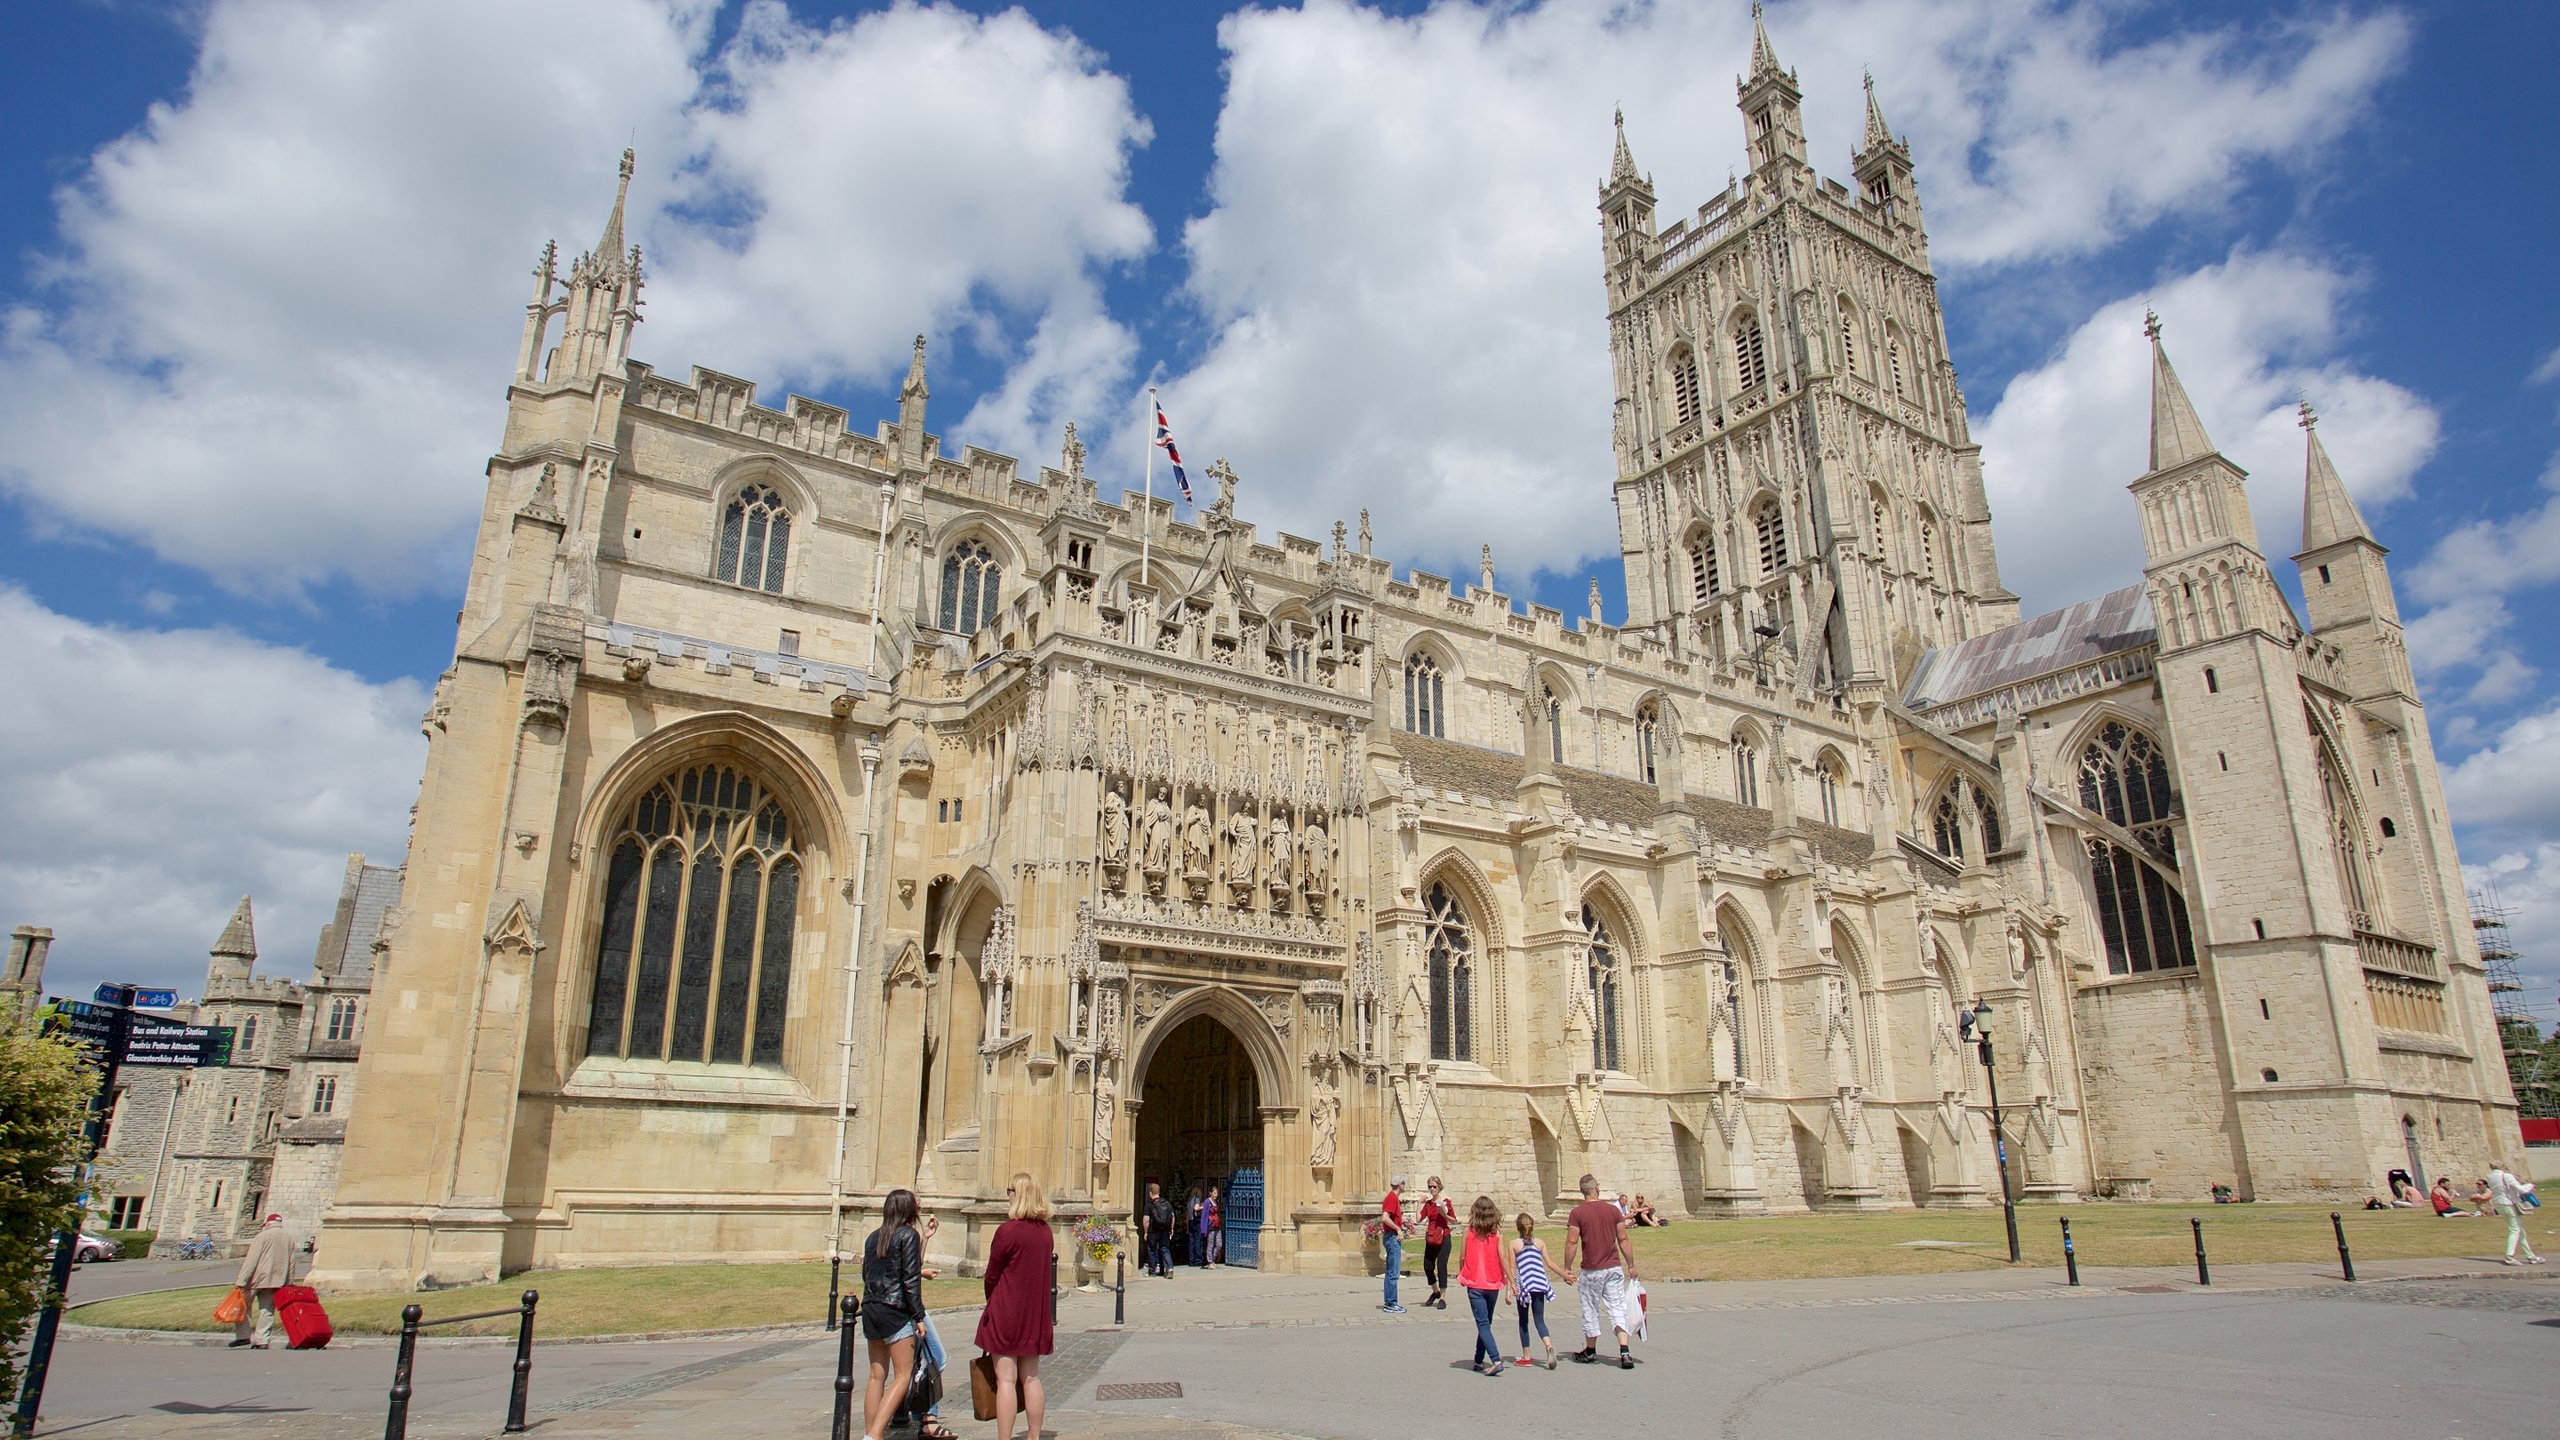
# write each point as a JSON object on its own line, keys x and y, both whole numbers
{"x": 306, "y": 1325}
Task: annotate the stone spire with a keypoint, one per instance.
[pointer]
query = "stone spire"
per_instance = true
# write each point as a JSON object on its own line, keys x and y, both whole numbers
{"x": 1764, "y": 56}
{"x": 914, "y": 388}
{"x": 239, "y": 939}
{"x": 1622, "y": 167}
{"x": 609, "y": 245}
{"x": 2329, "y": 514}
{"x": 1878, "y": 134}
{"x": 2177, "y": 436}
{"x": 911, "y": 398}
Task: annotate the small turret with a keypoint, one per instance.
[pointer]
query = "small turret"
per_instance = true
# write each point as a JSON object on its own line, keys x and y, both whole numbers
{"x": 911, "y": 398}
{"x": 235, "y": 950}
{"x": 1772, "y": 105}
{"x": 1882, "y": 164}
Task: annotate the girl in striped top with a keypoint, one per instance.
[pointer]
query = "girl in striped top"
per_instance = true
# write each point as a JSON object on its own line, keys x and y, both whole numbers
{"x": 1532, "y": 1290}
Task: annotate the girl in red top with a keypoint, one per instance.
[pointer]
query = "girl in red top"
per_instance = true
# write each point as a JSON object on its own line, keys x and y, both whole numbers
{"x": 1439, "y": 1216}
{"x": 1015, "y": 1328}
{"x": 1486, "y": 1272}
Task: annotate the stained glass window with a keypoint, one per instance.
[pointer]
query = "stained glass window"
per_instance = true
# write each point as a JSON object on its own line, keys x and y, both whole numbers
{"x": 969, "y": 587}
{"x": 1602, "y": 972}
{"x": 1423, "y": 712}
{"x": 755, "y": 540}
{"x": 1449, "y": 948}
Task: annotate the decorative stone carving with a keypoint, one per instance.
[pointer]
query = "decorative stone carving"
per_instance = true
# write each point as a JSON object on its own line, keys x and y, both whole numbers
{"x": 1106, "y": 1097}
{"x": 1157, "y": 848}
{"x": 1279, "y": 860}
{"x": 1240, "y": 858}
{"x": 1197, "y": 835}
{"x": 1324, "y": 1118}
{"x": 1315, "y": 860}
{"x": 1115, "y": 828}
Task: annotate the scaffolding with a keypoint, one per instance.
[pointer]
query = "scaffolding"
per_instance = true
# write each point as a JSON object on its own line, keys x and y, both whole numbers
{"x": 2518, "y": 1035}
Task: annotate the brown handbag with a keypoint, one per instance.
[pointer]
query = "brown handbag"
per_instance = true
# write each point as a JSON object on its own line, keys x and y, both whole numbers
{"x": 982, "y": 1387}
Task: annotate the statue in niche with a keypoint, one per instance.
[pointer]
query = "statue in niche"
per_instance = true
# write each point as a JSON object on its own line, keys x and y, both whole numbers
{"x": 1115, "y": 828}
{"x": 1105, "y": 1096}
{"x": 1157, "y": 849}
{"x": 1326, "y": 1118}
{"x": 1240, "y": 858}
{"x": 1315, "y": 859}
{"x": 1282, "y": 860}
{"x": 1196, "y": 836}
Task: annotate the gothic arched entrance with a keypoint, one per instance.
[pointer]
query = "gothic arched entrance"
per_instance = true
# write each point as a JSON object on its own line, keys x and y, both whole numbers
{"x": 1200, "y": 1123}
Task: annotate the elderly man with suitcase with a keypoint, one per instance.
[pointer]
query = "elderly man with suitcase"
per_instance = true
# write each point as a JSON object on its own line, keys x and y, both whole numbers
{"x": 266, "y": 1268}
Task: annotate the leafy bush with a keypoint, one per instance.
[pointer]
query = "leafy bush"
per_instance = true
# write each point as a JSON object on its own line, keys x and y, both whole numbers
{"x": 130, "y": 1244}
{"x": 44, "y": 1095}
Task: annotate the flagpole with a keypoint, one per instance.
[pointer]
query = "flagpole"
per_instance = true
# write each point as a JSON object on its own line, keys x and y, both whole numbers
{"x": 1147, "y": 517}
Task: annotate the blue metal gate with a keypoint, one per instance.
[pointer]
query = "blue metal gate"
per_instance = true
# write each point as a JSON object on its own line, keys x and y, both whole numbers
{"x": 1242, "y": 1218}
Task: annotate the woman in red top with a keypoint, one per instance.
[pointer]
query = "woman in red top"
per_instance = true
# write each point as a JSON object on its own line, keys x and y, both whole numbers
{"x": 1486, "y": 1272}
{"x": 1015, "y": 1328}
{"x": 1439, "y": 1216}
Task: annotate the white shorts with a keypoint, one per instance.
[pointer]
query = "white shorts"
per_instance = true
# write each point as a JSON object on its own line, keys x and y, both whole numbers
{"x": 1604, "y": 1300}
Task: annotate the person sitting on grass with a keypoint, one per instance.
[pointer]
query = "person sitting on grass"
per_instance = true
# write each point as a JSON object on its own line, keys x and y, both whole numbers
{"x": 2441, "y": 1198}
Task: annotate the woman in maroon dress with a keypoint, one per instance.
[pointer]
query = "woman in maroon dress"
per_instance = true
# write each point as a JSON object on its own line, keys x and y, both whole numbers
{"x": 1021, "y": 1264}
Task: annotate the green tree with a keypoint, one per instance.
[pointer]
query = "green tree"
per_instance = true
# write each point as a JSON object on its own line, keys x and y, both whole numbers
{"x": 45, "y": 1084}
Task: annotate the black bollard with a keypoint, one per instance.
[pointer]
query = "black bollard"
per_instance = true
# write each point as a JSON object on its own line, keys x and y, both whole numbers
{"x": 2346, "y": 1262}
{"x": 1120, "y": 1293}
{"x": 844, "y": 1369}
{"x": 395, "y": 1426}
{"x": 523, "y": 1391}
{"x": 2070, "y": 1258}
{"x": 2203, "y": 1275}
{"x": 835, "y": 1286}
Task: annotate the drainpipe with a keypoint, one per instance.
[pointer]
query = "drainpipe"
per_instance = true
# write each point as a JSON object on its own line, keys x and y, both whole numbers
{"x": 879, "y": 573}
{"x": 852, "y": 993}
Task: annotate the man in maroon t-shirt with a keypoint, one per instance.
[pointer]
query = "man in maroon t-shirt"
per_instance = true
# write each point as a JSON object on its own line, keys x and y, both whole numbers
{"x": 1391, "y": 1240}
{"x": 1596, "y": 1233}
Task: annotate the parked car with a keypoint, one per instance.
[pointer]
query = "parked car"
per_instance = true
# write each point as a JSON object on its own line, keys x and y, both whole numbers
{"x": 87, "y": 1249}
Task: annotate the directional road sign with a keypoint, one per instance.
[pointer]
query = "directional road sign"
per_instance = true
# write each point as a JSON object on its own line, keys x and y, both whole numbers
{"x": 159, "y": 1042}
{"x": 136, "y": 996}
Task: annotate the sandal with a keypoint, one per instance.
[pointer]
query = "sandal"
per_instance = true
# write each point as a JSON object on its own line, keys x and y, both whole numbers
{"x": 936, "y": 1430}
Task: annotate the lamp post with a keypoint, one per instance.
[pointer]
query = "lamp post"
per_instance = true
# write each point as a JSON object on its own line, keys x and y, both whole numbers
{"x": 1975, "y": 1024}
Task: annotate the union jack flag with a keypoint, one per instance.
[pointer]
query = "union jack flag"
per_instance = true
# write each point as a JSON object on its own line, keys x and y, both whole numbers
{"x": 1164, "y": 442}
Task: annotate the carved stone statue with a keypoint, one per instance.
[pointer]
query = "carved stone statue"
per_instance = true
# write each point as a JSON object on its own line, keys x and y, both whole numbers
{"x": 1315, "y": 858}
{"x": 1326, "y": 1118}
{"x": 1240, "y": 857}
{"x": 1281, "y": 861}
{"x": 1106, "y": 1098}
{"x": 1115, "y": 828}
{"x": 1157, "y": 850}
{"x": 1195, "y": 843}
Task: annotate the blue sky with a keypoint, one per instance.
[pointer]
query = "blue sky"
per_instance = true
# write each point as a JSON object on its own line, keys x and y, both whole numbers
{"x": 265, "y": 264}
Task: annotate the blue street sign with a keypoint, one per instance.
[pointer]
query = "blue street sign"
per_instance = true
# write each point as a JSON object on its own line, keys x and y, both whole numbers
{"x": 83, "y": 1009}
{"x": 153, "y": 999}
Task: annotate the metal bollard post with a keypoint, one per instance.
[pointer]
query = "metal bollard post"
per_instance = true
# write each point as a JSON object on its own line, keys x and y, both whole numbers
{"x": 518, "y": 1396}
{"x": 835, "y": 1287}
{"x": 2070, "y": 1257}
{"x": 1120, "y": 1293}
{"x": 395, "y": 1426}
{"x": 2346, "y": 1262}
{"x": 2203, "y": 1275}
{"x": 844, "y": 1370}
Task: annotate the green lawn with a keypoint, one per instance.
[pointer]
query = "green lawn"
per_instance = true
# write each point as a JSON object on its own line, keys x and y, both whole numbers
{"x": 1799, "y": 1246}
{"x": 574, "y": 1302}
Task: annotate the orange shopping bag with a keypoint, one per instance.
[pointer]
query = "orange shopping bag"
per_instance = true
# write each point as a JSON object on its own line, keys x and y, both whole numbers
{"x": 233, "y": 1309}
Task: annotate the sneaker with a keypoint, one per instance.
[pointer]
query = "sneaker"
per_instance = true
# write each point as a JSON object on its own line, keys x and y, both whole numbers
{"x": 1585, "y": 1357}
{"x": 1392, "y": 1309}
{"x": 1551, "y": 1361}
{"x": 2536, "y": 1260}
{"x": 2510, "y": 1260}
{"x": 1626, "y": 1361}
{"x": 237, "y": 1345}
{"x": 1524, "y": 1361}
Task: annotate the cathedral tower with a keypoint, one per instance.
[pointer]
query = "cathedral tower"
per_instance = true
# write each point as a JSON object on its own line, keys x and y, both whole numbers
{"x": 1798, "y": 493}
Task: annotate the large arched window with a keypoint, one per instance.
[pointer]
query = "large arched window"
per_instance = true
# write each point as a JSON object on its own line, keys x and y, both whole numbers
{"x": 2142, "y": 917}
{"x": 1604, "y": 972}
{"x": 1648, "y": 739}
{"x": 1706, "y": 576}
{"x": 1449, "y": 946}
{"x": 1746, "y": 768}
{"x": 1423, "y": 710}
{"x": 1750, "y": 356}
{"x": 1553, "y": 706}
{"x": 755, "y": 540}
{"x": 2346, "y": 841}
{"x": 693, "y": 960}
{"x": 969, "y": 585}
{"x": 1771, "y": 528}
{"x": 1684, "y": 385}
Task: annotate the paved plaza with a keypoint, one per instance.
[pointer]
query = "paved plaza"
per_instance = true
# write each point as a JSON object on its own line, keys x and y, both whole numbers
{"x": 2418, "y": 1348}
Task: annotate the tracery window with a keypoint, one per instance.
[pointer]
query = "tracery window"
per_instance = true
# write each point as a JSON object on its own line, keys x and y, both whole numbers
{"x": 755, "y": 540}
{"x": 1449, "y": 945}
{"x": 1826, "y": 783}
{"x": 1750, "y": 357}
{"x": 1746, "y": 770}
{"x": 1423, "y": 712}
{"x": 1706, "y": 577}
{"x": 1684, "y": 386}
{"x": 1893, "y": 359}
{"x": 701, "y": 895}
{"x": 1928, "y": 544}
{"x": 1986, "y": 817}
{"x": 1946, "y": 827}
{"x": 2338, "y": 806}
{"x": 2142, "y": 917}
{"x": 1731, "y": 1003}
{"x": 1555, "y": 722}
{"x": 1771, "y": 528}
{"x": 969, "y": 585}
{"x": 342, "y": 1018}
{"x": 1879, "y": 523}
{"x": 1603, "y": 972}
{"x": 1648, "y": 736}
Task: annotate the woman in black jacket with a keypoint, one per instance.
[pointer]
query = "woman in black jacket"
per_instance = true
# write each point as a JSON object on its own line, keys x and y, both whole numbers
{"x": 892, "y": 1309}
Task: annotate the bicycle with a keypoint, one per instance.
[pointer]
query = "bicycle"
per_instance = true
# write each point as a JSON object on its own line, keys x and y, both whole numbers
{"x": 200, "y": 1248}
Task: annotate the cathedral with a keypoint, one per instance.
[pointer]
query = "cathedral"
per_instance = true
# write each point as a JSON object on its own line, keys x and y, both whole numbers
{"x": 810, "y": 813}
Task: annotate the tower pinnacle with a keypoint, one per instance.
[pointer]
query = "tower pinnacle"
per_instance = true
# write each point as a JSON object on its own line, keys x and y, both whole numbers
{"x": 1878, "y": 133}
{"x": 914, "y": 388}
{"x": 240, "y": 937}
{"x": 609, "y": 245}
{"x": 1622, "y": 166}
{"x": 2177, "y": 436}
{"x": 2329, "y": 514}
{"x": 1764, "y": 56}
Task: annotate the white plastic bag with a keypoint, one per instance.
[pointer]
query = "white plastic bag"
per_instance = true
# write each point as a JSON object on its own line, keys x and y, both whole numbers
{"x": 1636, "y": 1308}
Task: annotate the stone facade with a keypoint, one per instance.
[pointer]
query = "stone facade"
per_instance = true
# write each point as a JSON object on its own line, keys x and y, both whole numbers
{"x": 809, "y": 814}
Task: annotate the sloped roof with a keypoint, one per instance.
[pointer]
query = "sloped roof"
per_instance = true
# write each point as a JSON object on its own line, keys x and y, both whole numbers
{"x": 2118, "y": 620}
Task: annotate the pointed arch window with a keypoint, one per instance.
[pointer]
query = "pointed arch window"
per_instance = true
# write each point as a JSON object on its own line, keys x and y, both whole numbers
{"x": 755, "y": 540}
{"x": 1848, "y": 337}
{"x": 2125, "y": 777}
{"x": 1684, "y": 386}
{"x": 2346, "y": 844}
{"x": 701, "y": 896}
{"x": 1746, "y": 769}
{"x": 1770, "y": 527}
{"x": 1879, "y": 524}
{"x": 1603, "y": 972}
{"x": 1946, "y": 827}
{"x": 2142, "y": 917}
{"x": 969, "y": 586}
{"x": 1423, "y": 710}
{"x": 1750, "y": 356}
{"x": 1827, "y": 778}
{"x": 1986, "y": 818}
{"x": 1730, "y": 1001}
{"x": 1929, "y": 543}
{"x": 1893, "y": 360}
{"x": 1554, "y": 707}
{"x": 1648, "y": 739}
{"x": 1706, "y": 577}
{"x": 1449, "y": 949}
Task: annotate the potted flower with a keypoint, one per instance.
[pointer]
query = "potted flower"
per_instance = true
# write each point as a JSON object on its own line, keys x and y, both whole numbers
{"x": 1095, "y": 1238}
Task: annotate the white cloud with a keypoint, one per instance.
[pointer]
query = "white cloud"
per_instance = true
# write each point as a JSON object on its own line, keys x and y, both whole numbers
{"x": 1404, "y": 280}
{"x": 275, "y": 340}
{"x": 2248, "y": 338}
{"x": 156, "y": 776}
